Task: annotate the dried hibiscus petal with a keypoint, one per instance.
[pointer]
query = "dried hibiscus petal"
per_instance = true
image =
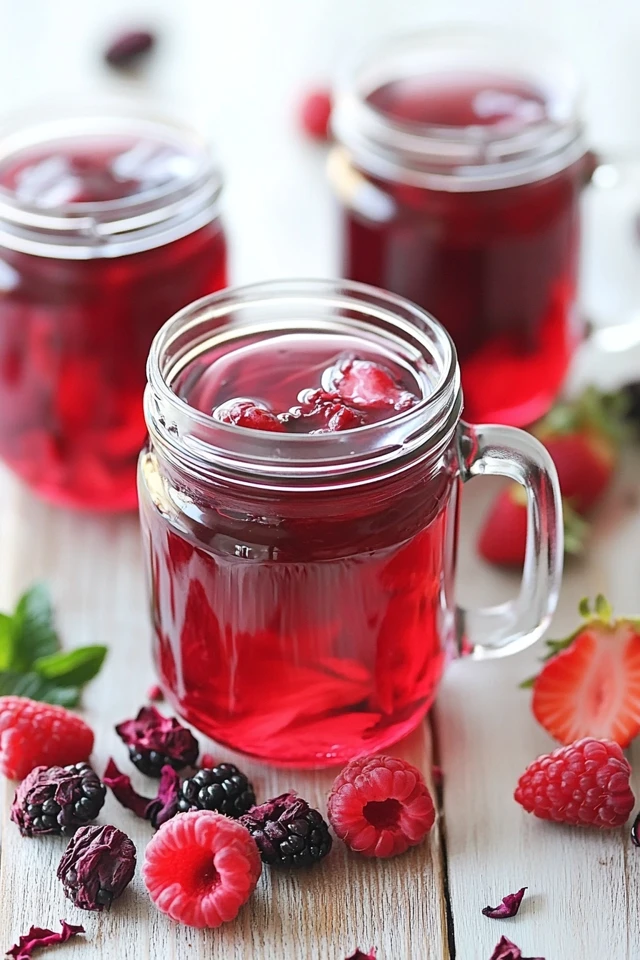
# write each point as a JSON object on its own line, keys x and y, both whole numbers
{"x": 155, "y": 741}
{"x": 508, "y": 908}
{"x": 359, "y": 955}
{"x": 39, "y": 937}
{"x": 97, "y": 866}
{"x": 506, "y": 950}
{"x": 157, "y": 809}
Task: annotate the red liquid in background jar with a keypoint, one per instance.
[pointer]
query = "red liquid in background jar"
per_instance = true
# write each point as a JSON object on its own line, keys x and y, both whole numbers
{"x": 496, "y": 267}
{"x": 301, "y": 628}
{"x": 75, "y": 333}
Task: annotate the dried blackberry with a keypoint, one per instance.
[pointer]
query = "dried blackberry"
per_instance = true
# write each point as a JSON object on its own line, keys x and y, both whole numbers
{"x": 155, "y": 741}
{"x": 223, "y": 788}
{"x": 97, "y": 866}
{"x": 288, "y": 832}
{"x": 57, "y": 800}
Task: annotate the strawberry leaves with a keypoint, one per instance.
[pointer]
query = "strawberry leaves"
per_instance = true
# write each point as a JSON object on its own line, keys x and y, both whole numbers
{"x": 31, "y": 661}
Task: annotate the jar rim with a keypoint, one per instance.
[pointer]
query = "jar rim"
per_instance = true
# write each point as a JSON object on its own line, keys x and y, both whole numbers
{"x": 202, "y": 444}
{"x": 107, "y": 228}
{"x": 465, "y": 158}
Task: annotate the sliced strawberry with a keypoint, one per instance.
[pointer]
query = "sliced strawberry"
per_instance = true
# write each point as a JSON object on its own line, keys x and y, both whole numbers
{"x": 590, "y": 684}
{"x": 503, "y": 535}
{"x": 583, "y": 438}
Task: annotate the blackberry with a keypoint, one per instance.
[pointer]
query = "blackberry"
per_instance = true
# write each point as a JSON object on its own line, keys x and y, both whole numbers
{"x": 288, "y": 832}
{"x": 97, "y": 866}
{"x": 57, "y": 800}
{"x": 223, "y": 788}
{"x": 155, "y": 741}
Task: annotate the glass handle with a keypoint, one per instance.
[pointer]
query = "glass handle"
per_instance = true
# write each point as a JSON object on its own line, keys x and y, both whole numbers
{"x": 510, "y": 627}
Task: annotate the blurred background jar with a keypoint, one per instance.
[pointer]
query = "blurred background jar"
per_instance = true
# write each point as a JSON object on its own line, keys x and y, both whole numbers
{"x": 460, "y": 164}
{"x": 109, "y": 223}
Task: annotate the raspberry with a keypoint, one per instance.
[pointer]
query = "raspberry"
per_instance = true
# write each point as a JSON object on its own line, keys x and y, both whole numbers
{"x": 36, "y": 734}
{"x": 223, "y": 788}
{"x": 380, "y": 806}
{"x": 321, "y": 412}
{"x": 289, "y": 832}
{"x": 366, "y": 385}
{"x": 586, "y": 783}
{"x": 247, "y": 413}
{"x": 57, "y": 800}
{"x": 201, "y": 867}
{"x": 315, "y": 114}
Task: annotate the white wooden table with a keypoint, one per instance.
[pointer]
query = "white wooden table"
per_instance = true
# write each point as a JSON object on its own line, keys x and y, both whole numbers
{"x": 237, "y": 69}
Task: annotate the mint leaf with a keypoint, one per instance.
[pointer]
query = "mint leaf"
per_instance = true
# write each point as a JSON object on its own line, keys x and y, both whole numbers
{"x": 72, "y": 667}
{"x": 7, "y": 642}
{"x": 35, "y": 635}
{"x": 36, "y": 688}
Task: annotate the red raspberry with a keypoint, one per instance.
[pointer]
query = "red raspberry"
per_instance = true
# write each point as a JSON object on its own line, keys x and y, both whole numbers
{"x": 247, "y": 413}
{"x": 380, "y": 806}
{"x": 586, "y": 783}
{"x": 36, "y": 734}
{"x": 315, "y": 114}
{"x": 201, "y": 867}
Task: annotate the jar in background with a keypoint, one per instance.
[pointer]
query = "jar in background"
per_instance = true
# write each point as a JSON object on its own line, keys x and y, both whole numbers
{"x": 299, "y": 505}
{"x": 109, "y": 223}
{"x": 460, "y": 165}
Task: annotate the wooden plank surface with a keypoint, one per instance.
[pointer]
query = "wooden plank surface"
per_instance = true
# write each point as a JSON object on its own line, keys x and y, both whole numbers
{"x": 95, "y": 572}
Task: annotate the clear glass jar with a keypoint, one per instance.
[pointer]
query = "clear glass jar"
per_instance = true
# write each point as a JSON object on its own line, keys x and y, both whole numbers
{"x": 460, "y": 165}
{"x": 109, "y": 223}
{"x": 301, "y": 583}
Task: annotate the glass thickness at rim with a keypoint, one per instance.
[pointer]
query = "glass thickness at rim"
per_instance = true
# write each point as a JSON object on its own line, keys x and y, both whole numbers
{"x": 326, "y": 305}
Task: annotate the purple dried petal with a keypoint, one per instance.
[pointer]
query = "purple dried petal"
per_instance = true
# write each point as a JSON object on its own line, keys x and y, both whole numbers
{"x": 40, "y": 937}
{"x": 120, "y": 786}
{"x": 165, "y": 806}
{"x": 506, "y": 950}
{"x": 125, "y": 49}
{"x": 508, "y": 908}
{"x": 157, "y": 809}
{"x": 635, "y": 831}
{"x": 165, "y": 735}
{"x": 97, "y": 866}
{"x": 359, "y": 955}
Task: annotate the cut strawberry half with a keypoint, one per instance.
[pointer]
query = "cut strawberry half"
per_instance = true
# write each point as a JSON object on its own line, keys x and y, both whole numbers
{"x": 590, "y": 683}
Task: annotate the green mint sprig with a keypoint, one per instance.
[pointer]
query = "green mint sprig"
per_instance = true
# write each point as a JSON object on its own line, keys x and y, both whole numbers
{"x": 32, "y": 663}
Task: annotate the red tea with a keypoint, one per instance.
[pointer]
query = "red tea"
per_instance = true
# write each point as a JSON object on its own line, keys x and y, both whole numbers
{"x": 75, "y": 332}
{"x": 302, "y": 626}
{"x": 495, "y": 263}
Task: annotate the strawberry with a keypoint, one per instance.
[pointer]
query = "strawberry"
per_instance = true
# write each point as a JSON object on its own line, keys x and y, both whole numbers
{"x": 589, "y": 685}
{"x": 504, "y": 533}
{"x": 583, "y": 437}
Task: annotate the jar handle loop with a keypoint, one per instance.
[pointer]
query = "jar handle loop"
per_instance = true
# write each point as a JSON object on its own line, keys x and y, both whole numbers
{"x": 489, "y": 632}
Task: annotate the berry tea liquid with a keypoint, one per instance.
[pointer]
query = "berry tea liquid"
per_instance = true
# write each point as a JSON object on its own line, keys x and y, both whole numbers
{"x": 461, "y": 175}
{"x": 298, "y": 502}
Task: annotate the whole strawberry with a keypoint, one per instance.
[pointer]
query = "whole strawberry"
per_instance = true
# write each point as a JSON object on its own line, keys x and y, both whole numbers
{"x": 589, "y": 685}
{"x": 583, "y": 437}
{"x": 584, "y": 784}
{"x": 34, "y": 734}
{"x": 503, "y": 536}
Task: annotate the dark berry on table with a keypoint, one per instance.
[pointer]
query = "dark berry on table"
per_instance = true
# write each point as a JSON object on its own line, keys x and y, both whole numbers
{"x": 155, "y": 741}
{"x": 97, "y": 866}
{"x": 315, "y": 114}
{"x": 57, "y": 800}
{"x": 288, "y": 832}
{"x": 128, "y": 48}
{"x": 247, "y": 413}
{"x": 224, "y": 789}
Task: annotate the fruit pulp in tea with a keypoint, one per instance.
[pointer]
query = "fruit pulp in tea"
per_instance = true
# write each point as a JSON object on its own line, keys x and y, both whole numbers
{"x": 496, "y": 266}
{"x": 301, "y": 627}
{"x": 75, "y": 334}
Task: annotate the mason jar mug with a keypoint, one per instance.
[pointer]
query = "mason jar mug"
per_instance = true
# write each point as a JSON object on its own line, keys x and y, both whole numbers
{"x": 299, "y": 505}
{"x": 109, "y": 223}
